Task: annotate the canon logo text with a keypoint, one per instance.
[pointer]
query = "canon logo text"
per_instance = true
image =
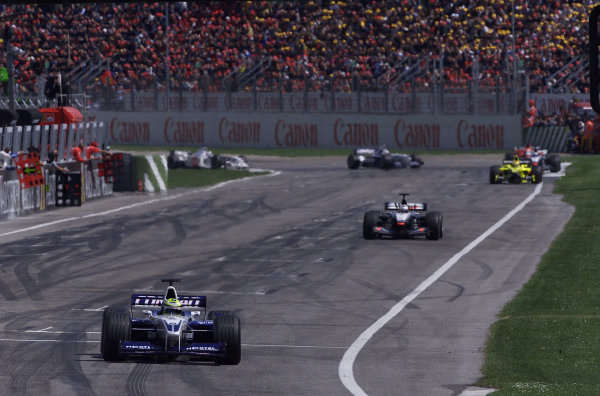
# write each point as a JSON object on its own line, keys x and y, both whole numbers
{"x": 296, "y": 135}
{"x": 239, "y": 132}
{"x": 479, "y": 135}
{"x": 185, "y": 132}
{"x": 355, "y": 134}
{"x": 417, "y": 135}
{"x": 129, "y": 131}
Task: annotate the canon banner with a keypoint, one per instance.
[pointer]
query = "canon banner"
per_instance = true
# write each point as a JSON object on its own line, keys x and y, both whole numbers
{"x": 301, "y": 130}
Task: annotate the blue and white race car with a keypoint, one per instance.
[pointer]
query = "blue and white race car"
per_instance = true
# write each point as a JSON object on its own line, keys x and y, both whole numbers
{"x": 381, "y": 157}
{"x": 173, "y": 325}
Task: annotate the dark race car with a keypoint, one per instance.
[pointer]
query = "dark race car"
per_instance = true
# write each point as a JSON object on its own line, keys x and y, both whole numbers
{"x": 172, "y": 325}
{"x": 380, "y": 157}
{"x": 403, "y": 220}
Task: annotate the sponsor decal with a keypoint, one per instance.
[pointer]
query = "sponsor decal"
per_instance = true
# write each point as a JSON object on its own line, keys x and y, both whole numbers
{"x": 202, "y": 348}
{"x": 417, "y": 135}
{"x": 241, "y": 103}
{"x": 175, "y": 102}
{"x": 183, "y": 132}
{"x": 296, "y": 135}
{"x": 373, "y": 103}
{"x": 344, "y": 102}
{"x": 268, "y": 102}
{"x": 129, "y": 131}
{"x": 479, "y": 135}
{"x": 145, "y": 102}
{"x": 239, "y": 132}
{"x": 355, "y": 133}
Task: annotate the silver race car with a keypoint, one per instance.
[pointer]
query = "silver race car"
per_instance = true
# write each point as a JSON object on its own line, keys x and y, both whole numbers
{"x": 205, "y": 158}
{"x": 172, "y": 326}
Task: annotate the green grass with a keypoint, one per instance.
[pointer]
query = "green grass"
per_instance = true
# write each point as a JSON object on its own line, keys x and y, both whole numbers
{"x": 547, "y": 341}
{"x": 205, "y": 177}
{"x": 290, "y": 152}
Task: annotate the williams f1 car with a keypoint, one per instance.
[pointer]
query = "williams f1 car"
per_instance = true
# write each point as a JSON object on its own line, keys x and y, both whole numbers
{"x": 172, "y": 325}
{"x": 403, "y": 220}
{"x": 537, "y": 156}
{"x": 380, "y": 157}
{"x": 516, "y": 172}
{"x": 205, "y": 158}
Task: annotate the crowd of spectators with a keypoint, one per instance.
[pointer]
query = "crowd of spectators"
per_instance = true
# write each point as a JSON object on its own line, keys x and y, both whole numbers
{"x": 316, "y": 45}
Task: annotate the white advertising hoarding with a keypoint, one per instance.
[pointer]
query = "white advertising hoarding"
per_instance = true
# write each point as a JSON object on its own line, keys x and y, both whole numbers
{"x": 320, "y": 130}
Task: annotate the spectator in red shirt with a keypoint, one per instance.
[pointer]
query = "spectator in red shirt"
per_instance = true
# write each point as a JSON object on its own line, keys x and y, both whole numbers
{"x": 77, "y": 151}
{"x": 94, "y": 149}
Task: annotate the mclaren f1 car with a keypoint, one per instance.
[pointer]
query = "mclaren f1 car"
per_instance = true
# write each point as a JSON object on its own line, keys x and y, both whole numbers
{"x": 381, "y": 157}
{"x": 516, "y": 171}
{"x": 403, "y": 220}
{"x": 172, "y": 325}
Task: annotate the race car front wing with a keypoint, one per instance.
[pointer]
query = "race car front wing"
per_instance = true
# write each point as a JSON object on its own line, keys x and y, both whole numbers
{"x": 217, "y": 349}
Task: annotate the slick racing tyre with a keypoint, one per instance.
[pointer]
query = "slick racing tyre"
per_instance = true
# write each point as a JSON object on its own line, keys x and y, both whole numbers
{"x": 435, "y": 230}
{"x": 554, "y": 162}
{"x": 217, "y": 162}
{"x": 537, "y": 172}
{"x": 369, "y": 221}
{"x": 494, "y": 174}
{"x": 227, "y": 330}
{"x": 211, "y": 315}
{"x": 387, "y": 161}
{"x": 116, "y": 327}
{"x": 352, "y": 161}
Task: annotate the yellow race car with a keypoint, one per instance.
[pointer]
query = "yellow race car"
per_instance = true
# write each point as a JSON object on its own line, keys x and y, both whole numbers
{"x": 516, "y": 171}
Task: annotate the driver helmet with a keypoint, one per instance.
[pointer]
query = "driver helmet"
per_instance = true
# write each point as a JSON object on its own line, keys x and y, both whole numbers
{"x": 171, "y": 306}
{"x": 404, "y": 208}
{"x": 516, "y": 161}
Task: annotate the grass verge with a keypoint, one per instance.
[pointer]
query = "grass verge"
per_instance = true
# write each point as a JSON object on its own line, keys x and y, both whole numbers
{"x": 188, "y": 178}
{"x": 547, "y": 340}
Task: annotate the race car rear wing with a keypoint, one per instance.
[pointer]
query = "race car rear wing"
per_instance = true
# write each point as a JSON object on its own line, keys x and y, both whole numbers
{"x": 149, "y": 301}
{"x": 417, "y": 206}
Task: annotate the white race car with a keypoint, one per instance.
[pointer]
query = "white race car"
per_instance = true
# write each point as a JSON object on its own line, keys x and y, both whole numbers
{"x": 205, "y": 158}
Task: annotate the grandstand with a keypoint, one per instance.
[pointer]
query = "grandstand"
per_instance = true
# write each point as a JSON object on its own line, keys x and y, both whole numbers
{"x": 108, "y": 50}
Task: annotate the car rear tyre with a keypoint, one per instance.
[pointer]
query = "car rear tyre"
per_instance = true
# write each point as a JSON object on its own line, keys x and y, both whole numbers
{"x": 369, "y": 221}
{"x": 387, "y": 161}
{"x": 554, "y": 162}
{"x": 434, "y": 225}
{"x": 494, "y": 173}
{"x": 352, "y": 161}
{"x": 227, "y": 330}
{"x": 537, "y": 172}
{"x": 116, "y": 327}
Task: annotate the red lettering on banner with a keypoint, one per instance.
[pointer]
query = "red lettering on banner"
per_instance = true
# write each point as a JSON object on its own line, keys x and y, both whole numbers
{"x": 129, "y": 131}
{"x": 145, "y": 102}
{"x": 417, "y": 135}
{"x": 296, "y": 101}
{"x": 239, "y": 132}
{"x": 175, "y": 102}
{"x": 269, "y": 102}
{"x": 375, "y": 104}
{"x": 243, "y": 103}
{"x": 355, "y": 134}
{"x": 480, "y": 135}
{"x": 343, "y": 103}
{"x": 296, "y": 135}
{"x": 185, "y": 132}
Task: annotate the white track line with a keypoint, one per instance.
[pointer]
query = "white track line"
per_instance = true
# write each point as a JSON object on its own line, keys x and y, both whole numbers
{"x": 135, "y": 205}
{"x": 345, "y": 369}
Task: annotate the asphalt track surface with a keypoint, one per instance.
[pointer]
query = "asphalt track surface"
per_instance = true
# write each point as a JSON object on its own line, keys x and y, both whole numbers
{"x": 286, "y": 253}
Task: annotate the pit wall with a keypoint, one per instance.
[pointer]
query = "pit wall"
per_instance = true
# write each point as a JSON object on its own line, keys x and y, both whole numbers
{"x": 312, "y": 130}
{"x": 15, "y": 201}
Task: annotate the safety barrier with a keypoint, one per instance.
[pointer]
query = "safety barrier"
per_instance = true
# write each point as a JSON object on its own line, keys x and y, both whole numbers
{"x": 552, "y": 138}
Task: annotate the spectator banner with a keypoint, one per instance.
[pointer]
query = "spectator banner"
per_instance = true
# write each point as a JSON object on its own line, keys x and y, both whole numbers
{"x": 272, "y": 130}
{"x": 551, "y": 138}
{"x": 29, "y": 170}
